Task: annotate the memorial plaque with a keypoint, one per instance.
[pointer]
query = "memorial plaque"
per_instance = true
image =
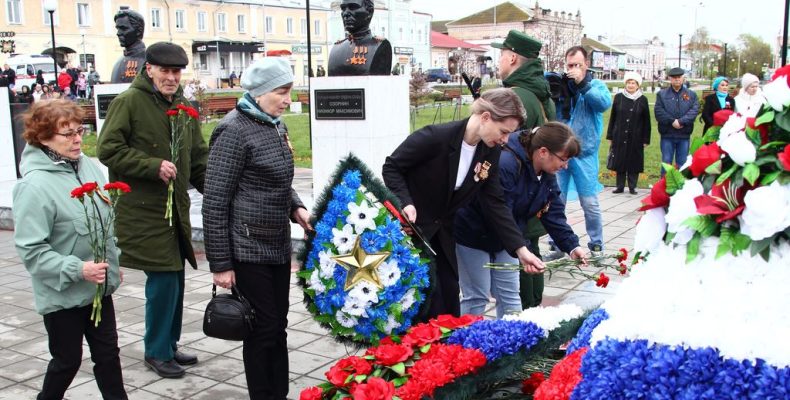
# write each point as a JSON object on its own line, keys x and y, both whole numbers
{"x": 340, "y": 104}
{"x": 103, "y": 101}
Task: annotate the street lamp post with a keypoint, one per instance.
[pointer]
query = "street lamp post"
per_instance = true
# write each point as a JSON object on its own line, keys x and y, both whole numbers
{"x": 680, "y": 46}
{"x": 725, "y": 60}
{"x": 51, "y": 6}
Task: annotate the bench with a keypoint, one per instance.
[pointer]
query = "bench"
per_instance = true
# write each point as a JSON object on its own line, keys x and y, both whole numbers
{"x": 450, "y": 94}
{"x": 90, "y": 115}
{"x": 303, "y": 98}
{"x": 219, "y": 105}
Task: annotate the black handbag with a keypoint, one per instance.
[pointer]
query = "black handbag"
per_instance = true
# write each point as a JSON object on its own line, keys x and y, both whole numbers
{"x": 610, "y": 160}
{"x": 228, "y": 316}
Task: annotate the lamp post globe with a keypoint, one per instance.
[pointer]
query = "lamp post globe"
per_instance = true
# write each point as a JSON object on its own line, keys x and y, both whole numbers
{"x": 51, "y": 6}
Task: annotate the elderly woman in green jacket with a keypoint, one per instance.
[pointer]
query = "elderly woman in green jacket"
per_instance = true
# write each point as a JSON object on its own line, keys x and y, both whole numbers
{"x": 52, "y": 239}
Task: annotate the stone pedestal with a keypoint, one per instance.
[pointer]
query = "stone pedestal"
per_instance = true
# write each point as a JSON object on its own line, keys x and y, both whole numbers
{"x": 372, "y": 139}
{"x": 102, "y": 96}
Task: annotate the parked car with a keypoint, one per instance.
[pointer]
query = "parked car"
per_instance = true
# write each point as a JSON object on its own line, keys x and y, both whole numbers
{"x": 26, "y": 67}
{"x": 437, "y": 75}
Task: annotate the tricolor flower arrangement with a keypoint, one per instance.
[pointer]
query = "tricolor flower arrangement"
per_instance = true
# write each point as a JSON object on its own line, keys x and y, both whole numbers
{"x": 363, "y": 277}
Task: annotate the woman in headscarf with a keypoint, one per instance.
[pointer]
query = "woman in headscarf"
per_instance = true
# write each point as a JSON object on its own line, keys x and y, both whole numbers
{"x": 750, "y": 99}
{"x": 719, "y": 100}
{"x": 628, "y": 133}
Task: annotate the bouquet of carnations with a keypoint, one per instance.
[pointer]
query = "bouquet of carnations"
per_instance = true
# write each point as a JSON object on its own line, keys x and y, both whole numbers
{"x": 180, "y": 121}
{"x": 99, "y": 226}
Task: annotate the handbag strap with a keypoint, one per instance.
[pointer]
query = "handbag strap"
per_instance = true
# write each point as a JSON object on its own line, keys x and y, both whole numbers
{"x": 237, "y": 293}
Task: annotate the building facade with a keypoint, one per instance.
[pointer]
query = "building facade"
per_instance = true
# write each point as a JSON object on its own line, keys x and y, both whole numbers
{"x": 646, "y": 57}
{"x": 220, "y": 37}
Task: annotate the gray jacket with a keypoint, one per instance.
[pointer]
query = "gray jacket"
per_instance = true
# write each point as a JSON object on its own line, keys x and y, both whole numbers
{"x": 248, "y": 198}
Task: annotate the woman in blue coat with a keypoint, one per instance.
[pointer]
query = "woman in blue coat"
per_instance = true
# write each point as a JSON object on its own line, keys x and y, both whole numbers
{"x": 526, "y": 169}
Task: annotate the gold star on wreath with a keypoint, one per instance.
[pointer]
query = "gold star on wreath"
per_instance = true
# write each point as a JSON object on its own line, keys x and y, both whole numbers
{"x": 361, "y": 266}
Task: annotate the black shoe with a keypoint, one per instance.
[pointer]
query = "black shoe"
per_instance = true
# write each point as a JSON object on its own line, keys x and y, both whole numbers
{"x": 632, "y": 191}
{"x": 165, "y": 369}
{"x": 184, "y": 358}
{"x": 618, "y": 190}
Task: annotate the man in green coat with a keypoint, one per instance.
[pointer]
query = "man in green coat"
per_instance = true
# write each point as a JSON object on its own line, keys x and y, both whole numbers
{"x": 522, "y": 70}
{"x": 135, "y": 144}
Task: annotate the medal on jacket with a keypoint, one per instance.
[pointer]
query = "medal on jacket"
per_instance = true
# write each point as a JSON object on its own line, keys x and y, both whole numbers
{"x": 358, "y": 56}
{"x": 481, "y": 171}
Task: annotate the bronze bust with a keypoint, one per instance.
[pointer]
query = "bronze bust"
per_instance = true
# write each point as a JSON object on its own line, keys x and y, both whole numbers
{"x": 129, "y": 27}
{"x": 360, "y": 53}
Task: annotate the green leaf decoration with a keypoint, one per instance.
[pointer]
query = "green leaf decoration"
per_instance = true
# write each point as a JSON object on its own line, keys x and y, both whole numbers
{"x": 339, "y": 396}
{"x": 675, "y": 179}
{"x": 398, "y": 382}
{"x": 773, "y": 144}
{"x": 670, "y": 236}
{"x": 783, "y": 119}
{"x": 696, "y": 143}
{"x": 725, "y": 242}
{"x": 765, "y": 118}
{"x": 754, "y": 136}
{"x": 705, "y": 225}
{"x": 740, "y": 243}
{"x": 760, "y": 246}
{"x": 692, "y": 248}
{"x": 770, "y": 177}
{"x": 714, "y": 169}
{"x": 399, "y": 368}
{"x": 424, "y": 349}
{"x": 769, "y": 159}
{"x": 710, "y": 136}
{"x": 723, "y": 177}
{"x": 751, "y": 172}
{"x": 360, "y": 378}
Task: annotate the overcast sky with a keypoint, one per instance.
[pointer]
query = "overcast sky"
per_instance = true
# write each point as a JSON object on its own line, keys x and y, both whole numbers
{"x": 725, "y": 19}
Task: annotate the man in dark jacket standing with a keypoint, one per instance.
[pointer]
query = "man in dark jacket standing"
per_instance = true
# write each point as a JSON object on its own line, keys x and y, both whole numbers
{"x": 135, "y": 144}
{"x": 676, "y": 109}
{"x": 522, "y": 71}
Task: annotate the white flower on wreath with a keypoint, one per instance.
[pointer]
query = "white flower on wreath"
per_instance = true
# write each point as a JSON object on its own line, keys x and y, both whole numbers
{"x": 345, "y": 320}
{"x": 765, "y": 211}
{"x": 408, "y": 299}
{"x": 650, "y": 230}
{"x": 686, "y": 164}
{"x": 355, "y": 307}
{"x": 326, "y": 265}
{"x": 740, "y": 149}
{"x": 344, "y": 238}
{"x": 364, "y": 292}
{"x": 777, "y": 93}
{"x": 316, "y": 283}
{"x": 681, "y": 208}
{"x": 736, "y": 123}
{"x": 389, "y": 273}
{"x": 361, "y": 216}
{"x": 391, "y": 325}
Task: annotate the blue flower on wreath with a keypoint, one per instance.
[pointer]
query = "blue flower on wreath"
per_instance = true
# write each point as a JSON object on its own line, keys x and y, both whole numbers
{"x": 497, "y": 338}
{"x": 584, "y": 335}
{"x": 352, "y": 178}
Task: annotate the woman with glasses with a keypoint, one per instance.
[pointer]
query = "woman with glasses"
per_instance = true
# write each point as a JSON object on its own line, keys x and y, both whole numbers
{"x": 527, "y": 171}
{"x": 441, "y": 168}
{"x": 53, "y": 241}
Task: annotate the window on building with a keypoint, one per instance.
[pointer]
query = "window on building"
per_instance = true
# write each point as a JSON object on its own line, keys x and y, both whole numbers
{"x": 383, "y": 31}
{"x": 181, "y": 20}
{"x": 204, "y": 62}
{"x": 289, "y": 26}
{"x": 419, "y": 36}
{"x": 242, "y": 23}
{"x": 303, "y": 27}
{"x": 222, "y": 22}
{"x": 201, "y": 21}
{"x": 269, "y": 25}
{"x": 156, "y": 18}
{"x": 83, "y": 14}
{"x": 13, "y": 11}
{"x": 317, "y": 27}
{"x": 400, "y": 33}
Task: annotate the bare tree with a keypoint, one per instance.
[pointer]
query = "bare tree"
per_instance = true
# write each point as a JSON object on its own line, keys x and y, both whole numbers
{"x": 557, "y": 36}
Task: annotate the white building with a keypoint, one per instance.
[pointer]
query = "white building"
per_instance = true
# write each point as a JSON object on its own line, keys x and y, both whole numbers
{"x": 646, "y": 57}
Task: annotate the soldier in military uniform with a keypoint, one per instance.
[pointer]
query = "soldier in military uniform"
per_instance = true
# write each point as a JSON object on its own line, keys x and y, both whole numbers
{"x": 360, "y": 53}
{"x": 129, "y": 27}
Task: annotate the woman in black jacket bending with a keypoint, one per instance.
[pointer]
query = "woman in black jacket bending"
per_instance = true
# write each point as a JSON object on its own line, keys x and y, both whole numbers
{"x": 248, "y": 201}
{"x": 439, "y": 169}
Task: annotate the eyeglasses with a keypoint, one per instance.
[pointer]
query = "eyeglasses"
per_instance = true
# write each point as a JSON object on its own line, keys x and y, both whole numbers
{"x": 572, "y": 66}
{"x": 71, "y": 133}
{"x": 564, "y": 160}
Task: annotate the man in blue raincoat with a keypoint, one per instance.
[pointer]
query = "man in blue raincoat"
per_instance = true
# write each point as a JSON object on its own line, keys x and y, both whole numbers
{"x": 582, "y": 104}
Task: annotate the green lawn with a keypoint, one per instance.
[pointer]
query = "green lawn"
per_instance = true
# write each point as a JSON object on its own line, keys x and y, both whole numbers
{"x": 297, "y": 127}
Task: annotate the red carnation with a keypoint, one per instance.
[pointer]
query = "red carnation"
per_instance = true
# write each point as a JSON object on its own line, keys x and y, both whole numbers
{"x": 90, "y": 187}
{"x": 189, "y": 110}
{"x": 602, "y": 281}
{"x": 311, "y": 393}
{"x": 563, "y": 379}
{"x": 390, "y": 354}
{"x": 431, "y": 373}
{"x": 386, "y": 340}
{"x": 468, "y": 361}
{"x": 339, "y": 373}
{"x": 720, "y": 117}
{"x": 763, "y": 128}
{"x": 622, "y": 255}
{"x": 658, "y": 196}
{"x": 784, "y": 158}
{"x": 374, "y": 389}
{"x": 529, "y": 385}
{"x": 118, "y": 185}
{"x": 78, "y": 192}
{"x": 171, "y": 113}
{"x": 704, "y": 157}
{"x": 450, "y": 322}
{"x": 622, "y": 268}
{"x": 422, "y": 334}
{"x": 412, "y": 390}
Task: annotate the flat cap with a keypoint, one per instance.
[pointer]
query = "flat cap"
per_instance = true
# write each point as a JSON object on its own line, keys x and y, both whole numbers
{"x": 166, "y": 54}
{"x": 677, "y": 71}
{"x": 521, "y": 44}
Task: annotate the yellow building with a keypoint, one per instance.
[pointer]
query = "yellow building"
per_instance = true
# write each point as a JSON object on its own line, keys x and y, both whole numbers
{"x": 220, "y": 37}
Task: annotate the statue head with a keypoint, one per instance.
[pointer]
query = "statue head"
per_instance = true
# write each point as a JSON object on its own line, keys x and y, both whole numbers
{"x": 129, "y": 27}
{"x": 356, "y": 15}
